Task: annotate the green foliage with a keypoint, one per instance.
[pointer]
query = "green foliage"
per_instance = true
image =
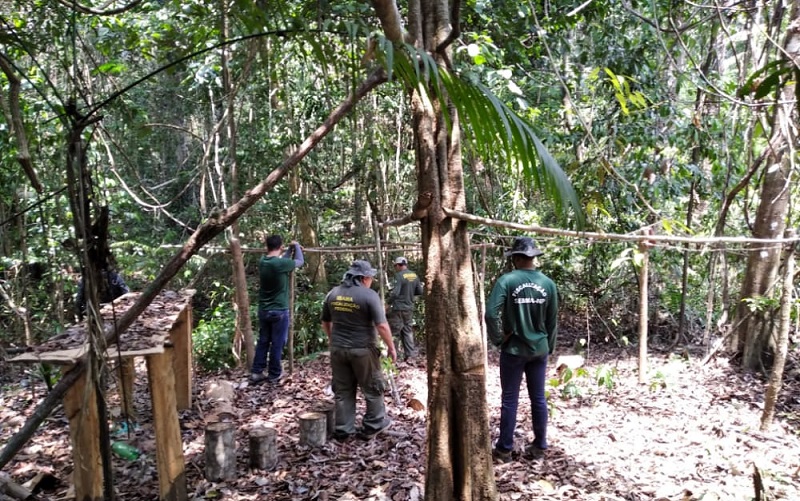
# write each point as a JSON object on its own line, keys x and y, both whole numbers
{"x": 213, "y": 343}
{"x": 605, "y": 377}
{"x": 567, "y": 381}
{"x": 212, "y": 338}
{"x": 309, "y": 336}
{"x": 761, "y": 303}
{"x": 493, "y": 127}
{"x": 388, "y": 367}
{"x": 46, "y": 373}
{"x": 658, "y": 381}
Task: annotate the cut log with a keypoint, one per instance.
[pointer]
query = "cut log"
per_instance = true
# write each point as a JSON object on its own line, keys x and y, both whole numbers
{"x": 220, "y": 453}
{"x": 263, "y": 448}
{"x": 329, "y": 410}
{"x": 219, "y": 397}
{"x": 219, "y": 391}
{"x": 313, "y": 427}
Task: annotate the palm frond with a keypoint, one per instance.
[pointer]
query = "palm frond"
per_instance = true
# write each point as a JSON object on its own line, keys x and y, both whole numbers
{"x": 490, "y": 127}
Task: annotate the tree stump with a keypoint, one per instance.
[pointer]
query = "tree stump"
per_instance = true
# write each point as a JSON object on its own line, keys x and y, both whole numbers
{"x": 313, "y": 426}
{"x": 220, "y": 452}
{"x": 263, "y": 449}
{"x": 329, "y": 409}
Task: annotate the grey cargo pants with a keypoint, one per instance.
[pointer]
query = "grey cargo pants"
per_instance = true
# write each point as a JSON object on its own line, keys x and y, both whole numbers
{"x": 353, "y": 368}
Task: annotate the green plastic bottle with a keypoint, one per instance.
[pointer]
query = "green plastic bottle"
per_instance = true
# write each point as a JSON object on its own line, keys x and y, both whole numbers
{"x": 125, "y": 451}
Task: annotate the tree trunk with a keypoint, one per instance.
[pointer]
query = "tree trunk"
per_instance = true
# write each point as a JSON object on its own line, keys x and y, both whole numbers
{"x": 644, "y": 288}
{"x": 459, "y": 446}
{"x": 776, "y": 378}
{"x": 244, "y": 328}
{"x": 459, "y": 459}
{"x": 752, "y": 336}
{"x": 315, "y": 261}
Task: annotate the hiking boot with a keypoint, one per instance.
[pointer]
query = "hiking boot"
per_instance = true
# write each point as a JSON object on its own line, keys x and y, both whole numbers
{"x": 501, "y": 455}
{"x": 276, "y": 380}
{"x": 257, "y": 377}
{"x": 370, "y": 433}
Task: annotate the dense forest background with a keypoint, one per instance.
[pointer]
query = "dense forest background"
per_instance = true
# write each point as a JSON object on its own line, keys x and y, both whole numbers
{"x": 675, "y": 121}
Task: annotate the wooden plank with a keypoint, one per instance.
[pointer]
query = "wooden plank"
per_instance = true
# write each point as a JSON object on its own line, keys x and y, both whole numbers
{"x": 181, "y": 337}
{"x": 127, "y": 374}
{"x": 169, "y": 446}
{"x": 69, "y": 357}
{"x": 80, "y": 407}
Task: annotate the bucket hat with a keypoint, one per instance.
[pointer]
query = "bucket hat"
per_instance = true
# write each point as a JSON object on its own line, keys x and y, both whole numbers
{"x": 361, "y": 268}
{"x": 525, "y": 246}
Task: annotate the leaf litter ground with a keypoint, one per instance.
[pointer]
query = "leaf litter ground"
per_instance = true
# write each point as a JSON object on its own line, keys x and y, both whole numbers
{"x": 690, "y": 433}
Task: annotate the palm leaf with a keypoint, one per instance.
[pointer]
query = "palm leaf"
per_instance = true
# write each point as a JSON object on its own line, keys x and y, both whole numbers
{"x": 489, "y": 126}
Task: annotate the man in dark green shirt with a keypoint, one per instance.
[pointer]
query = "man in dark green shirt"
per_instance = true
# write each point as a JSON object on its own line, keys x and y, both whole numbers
{"x": 351, "y": 314}
{"x": 522, "y": 320}
{"x": 273, "y": 307}
{"x": 401, "y": 306}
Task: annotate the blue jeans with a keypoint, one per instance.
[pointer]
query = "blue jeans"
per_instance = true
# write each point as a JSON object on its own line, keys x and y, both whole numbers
{"x": 273, "y": 330}
{"x": 512, "y": 367}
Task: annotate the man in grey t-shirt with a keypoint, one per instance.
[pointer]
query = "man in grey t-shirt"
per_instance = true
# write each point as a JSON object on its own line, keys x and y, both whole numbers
{"x": 351, "y": 314}
{"x": 401, "y": 306}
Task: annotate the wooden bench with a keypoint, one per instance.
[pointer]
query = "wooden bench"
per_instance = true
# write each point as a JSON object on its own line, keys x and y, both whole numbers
{"x": 163, "y": 336}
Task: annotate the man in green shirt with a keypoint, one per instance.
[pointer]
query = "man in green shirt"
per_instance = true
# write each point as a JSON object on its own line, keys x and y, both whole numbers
{"x": 274, "y": 269}
{"x": 522, "y": 320}
{"x": 401, "y": 306}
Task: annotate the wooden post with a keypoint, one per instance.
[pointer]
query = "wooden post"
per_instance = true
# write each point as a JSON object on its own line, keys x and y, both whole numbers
{"x": 643, "y": 307}
{"x": 482, "y": 304}
{"x": 263, "y": 448}
{"x": 220, "y": 452}
{"x": 181, "y": 338}
{"x": 169, "y": 446}
{"x": 80, "y": 407}
{"x": 126, "y": 374}
{"x": 379, "y": 265}
{"x": 313, "y": 426}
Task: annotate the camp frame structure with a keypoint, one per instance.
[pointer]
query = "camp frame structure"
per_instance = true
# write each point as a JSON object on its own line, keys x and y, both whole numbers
{"x": 163, "y": 336}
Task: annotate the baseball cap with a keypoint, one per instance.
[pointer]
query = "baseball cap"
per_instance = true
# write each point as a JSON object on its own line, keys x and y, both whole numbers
{"x": 361, "y": 268}
{"x": 525, "y": 246}
{"x": 400, "y": 260}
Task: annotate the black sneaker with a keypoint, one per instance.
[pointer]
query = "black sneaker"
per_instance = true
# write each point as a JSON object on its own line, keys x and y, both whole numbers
{"x": 257, "y": 377}
{"x": 501, "y": 455}
{"x": 369, "y": 434}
